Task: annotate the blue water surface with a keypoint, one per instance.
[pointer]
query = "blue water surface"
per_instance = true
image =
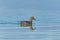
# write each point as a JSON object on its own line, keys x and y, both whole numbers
{"x": 46, "y": 26}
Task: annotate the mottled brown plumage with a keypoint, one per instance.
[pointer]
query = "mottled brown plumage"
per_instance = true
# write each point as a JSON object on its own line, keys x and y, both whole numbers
{"x": 27, "y": 23}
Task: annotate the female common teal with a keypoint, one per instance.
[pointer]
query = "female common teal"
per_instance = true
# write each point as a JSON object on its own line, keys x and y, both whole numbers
{"x": 27, "y": 23}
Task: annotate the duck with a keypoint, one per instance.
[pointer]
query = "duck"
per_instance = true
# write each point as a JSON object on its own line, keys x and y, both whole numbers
{"x": 27, "y": 23}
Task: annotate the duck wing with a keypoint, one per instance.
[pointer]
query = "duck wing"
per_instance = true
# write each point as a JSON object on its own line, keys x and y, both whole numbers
{"x": 25, "y": 23}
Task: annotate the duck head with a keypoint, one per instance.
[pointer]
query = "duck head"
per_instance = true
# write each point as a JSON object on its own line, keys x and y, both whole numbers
{"x": 32, "y": 18}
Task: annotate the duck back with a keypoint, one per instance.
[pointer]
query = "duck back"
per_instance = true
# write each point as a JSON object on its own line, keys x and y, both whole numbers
{"x": 26, "y": 23}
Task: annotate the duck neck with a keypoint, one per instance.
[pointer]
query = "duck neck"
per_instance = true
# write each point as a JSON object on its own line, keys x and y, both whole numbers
{"x": 30, "y": 19}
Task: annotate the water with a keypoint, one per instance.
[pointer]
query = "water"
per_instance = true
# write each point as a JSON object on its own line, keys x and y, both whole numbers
{"x": 15, "y": 32}
{"x": 47, "y": 28}
{"x": 46, "y": 13}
